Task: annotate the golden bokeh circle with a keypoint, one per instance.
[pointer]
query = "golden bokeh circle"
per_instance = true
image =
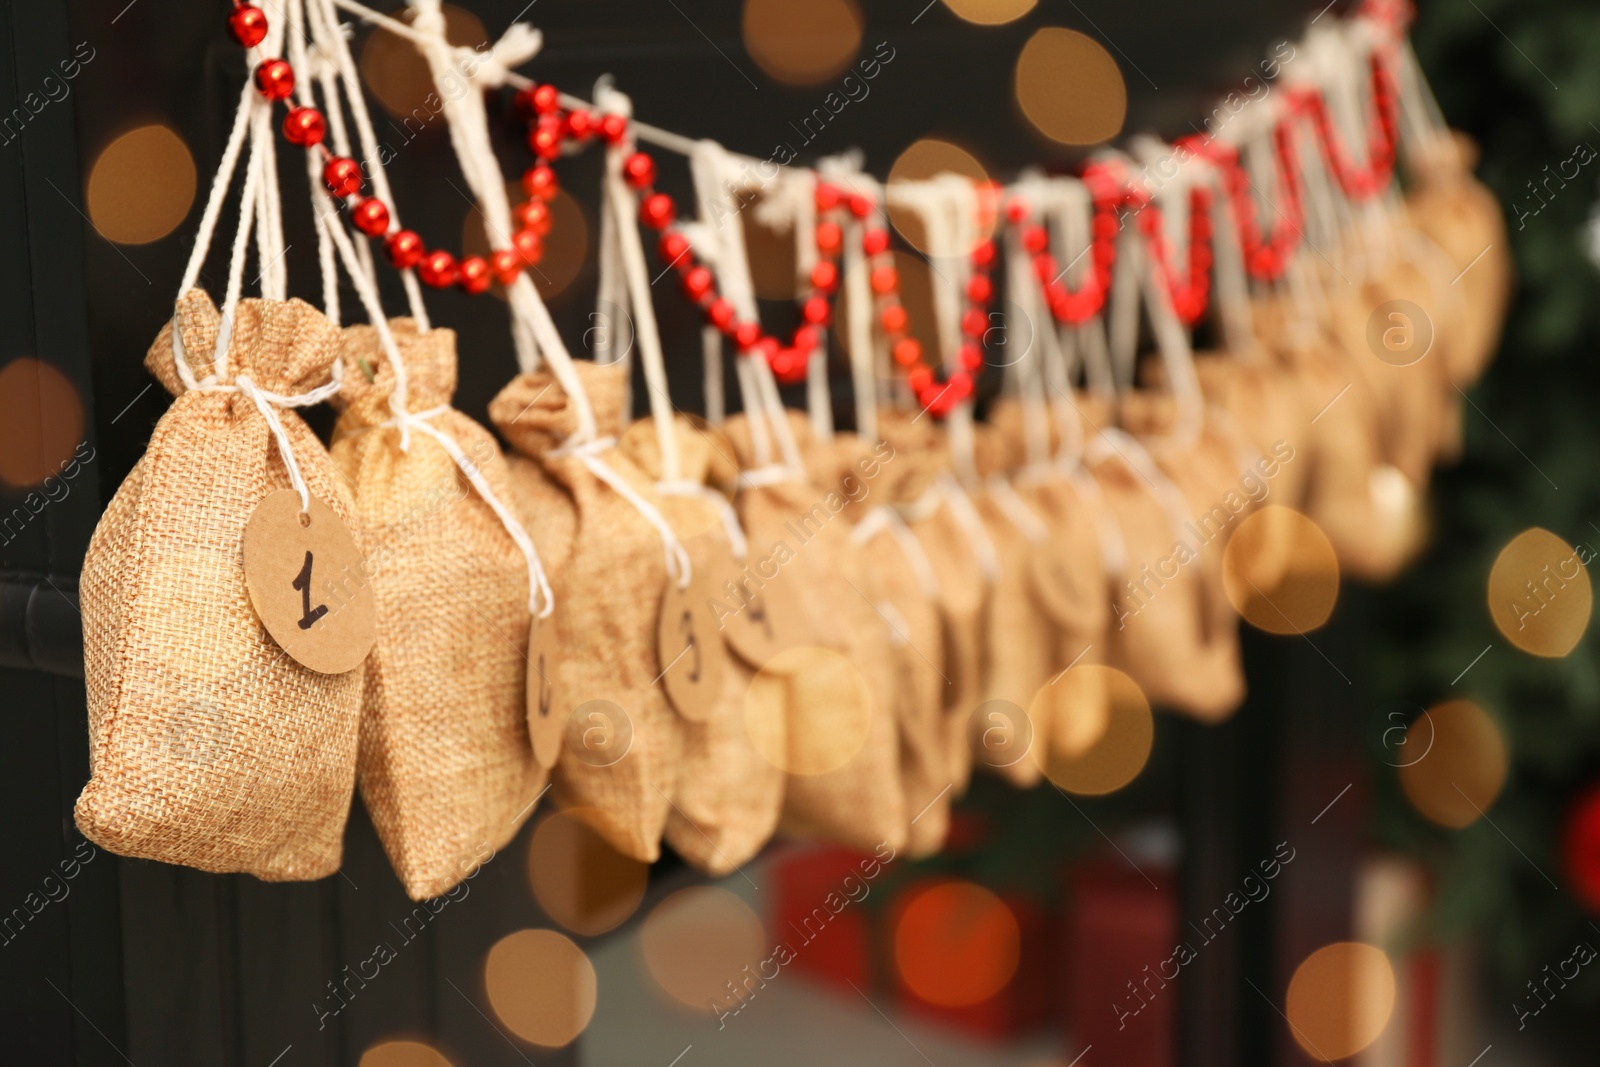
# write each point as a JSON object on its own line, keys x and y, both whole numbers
{"x": 990, "y": 12}
{"x": 803, "y": 43}
{"x": 1070, "y": 88}
{"x": 403, "y": 1054}
{"x": 1280, "y": 572}
{"x": 1539, "y": 594}
{"x": 1099, "y": 729}
{"x": 924, "y": 158}
{"x": 565, "y": 246}
{"x": 827, "y": 689}
{"x": 141, "y": 186}
{"x": 579, "y": 879}
{"x": 956, "y": 944}
{"x": 399, "y": 77}
{"x": 41, "y": 423}
{"x": 1340, "y": 999}
{"x": 698, "y": 940}
{"x": 1463, "y": 766}
{"x": 541, "y": 986}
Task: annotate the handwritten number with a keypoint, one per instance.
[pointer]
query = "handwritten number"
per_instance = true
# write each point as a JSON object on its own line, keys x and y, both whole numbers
{"x": 302, "y": 582}
{"x": 758, "y": 615}
{"x": 545, "y": 690}
{"x": 686, "y": 625}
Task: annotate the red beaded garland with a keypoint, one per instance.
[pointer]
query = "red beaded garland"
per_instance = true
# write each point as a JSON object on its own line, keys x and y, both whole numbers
{"x": 437, "y": 269}
{"x": 474, "y": 274}
{"x": 248, "y": 25}
{"x": 405, "y": 249}
{"x": 371, "y": 217}
{"x": 304, "y": 126}
{"x": 657, "y": 211}
{"x": 275, "y": 79}
{"x": 342, "y": 176}
{"x": 639, "y": 170}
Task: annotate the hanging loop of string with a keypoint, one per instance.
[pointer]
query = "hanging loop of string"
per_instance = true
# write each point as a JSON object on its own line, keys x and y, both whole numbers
{"x": 677, "y": 557}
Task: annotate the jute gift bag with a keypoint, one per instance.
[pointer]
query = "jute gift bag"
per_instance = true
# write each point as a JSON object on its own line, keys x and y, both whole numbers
{"x": 729, "y": 794}
{"x": 624, "y": 744}
{"x": 445, "y": 766}
{"x": 836, "y": 694}
{"x": 209, "y": 746}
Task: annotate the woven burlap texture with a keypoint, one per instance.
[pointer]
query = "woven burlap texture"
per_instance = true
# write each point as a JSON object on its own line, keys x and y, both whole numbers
{"x": 844, "y": 683}
{"x": 209, "y": 747}
{"x": 729, "y": 796}
{"x": 608, "y": 596}
{"x": 445, "y": 767}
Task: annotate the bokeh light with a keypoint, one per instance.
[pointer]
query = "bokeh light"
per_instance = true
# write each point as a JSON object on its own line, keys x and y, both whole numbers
{"x": 578, "y": 878}
{"x": 1340, "y": 999}
{"x": 990, "y": 12}
{"x": 1070, "y": 88}
{"x": 830, "y": 688}
{"x": 541, "y": 986}
{"x": 1280, "y": 572}
{"x": 1539, "y": 594}
{"x": 399, "y": 77}
{"x": 565, "y": 246}
{"x": 698, "y": 940}
{"x": 403, "y": 1054}
{"x": 1464, "y": 767}
{"x": 924, "y": 158}
{"x": 141, "y": 187}
{"x": 956, "y": 944}
{"x": 41, "y": 422}
{"x": 803, "y": 44}
{"x": 1099, "y": 728}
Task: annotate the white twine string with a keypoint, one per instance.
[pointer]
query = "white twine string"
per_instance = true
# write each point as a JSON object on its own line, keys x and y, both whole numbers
{"x": 588, "y": 454}
{"x": 884, "y": 518}
{"x": 737, "y": 542}
{"x": 1016, "y": 510}
{"x": 971, "y": 526}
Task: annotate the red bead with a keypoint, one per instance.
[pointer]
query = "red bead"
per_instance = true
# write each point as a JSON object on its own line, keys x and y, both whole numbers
{"x": 639, "y": 170}
{"x": 528, "y": 245}
{"x": 540, "y": 181}
{"x": 580, "y": 124}
{"x": 817, "y": 311}
{"x": 473, "y": 275}
{"x": 545, "y": 140}
{"x": 974, "y": 323}
{"x": 979, "y": 288}
{"x": 920, "y": 379}
{"x": 860, "y": 206}
{"x": 1035, "y": 239}
{"x": 959, "y": 387}
{"x": 885, "y": 280}
{"x": 657, "y": 211}
{"x": 698, "y": 283}
{"x": 983, "y": 254}
{"x": 342, "y": 176}
{"x": 533, "y": 215}
{"x": 805, "y": 339}
{"x": 505, "y": 265}
{"x": 248, "y": 25}
{"x": 720, "y": 314}
{"x": 971, "y": 357}
{"x": 908, "y": 351}
{"x": 437, "y": 269}
{"x": 546, "y": 99}
{"x": 829, "y": 238}
{"x": 1044, "y": 267}
{"x": 939, "y": 401}
{"x": 1105, "y": 225}
{"x": 613, "y": 128}
{"x": 371, "y": 217}
{"x": 404, "y": 248}
{"x": 746, "y": 334}
{"x": 275, "y": 79}
{"x": 824, "y": 276}
{"x": 875, "y": 242}
{"x": 672, "y": 247}
{"x": 304, "y": 126}
{"x": 893, "y": 319}
{"x": 827, "y": 197}
{"x": 765, "y": 348}
{"x": 1016, "y": 211}
{"x": 788, "y": 365}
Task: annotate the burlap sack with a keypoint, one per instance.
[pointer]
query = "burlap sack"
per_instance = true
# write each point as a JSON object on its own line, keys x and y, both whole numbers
{"x": 1021, "y": 643}
{"x": 210, "y": 747}
{"x": 1463, "y": 218}
{"x": 445, "y": 766}
{"x": 1370, "y": 511}
{"x": 729, "y": 795}
{"x": 1082, "y": 528}
{"x": 843, "y": 688}
{"x": 608, "y": 598}
{"x": 963, "y": 567}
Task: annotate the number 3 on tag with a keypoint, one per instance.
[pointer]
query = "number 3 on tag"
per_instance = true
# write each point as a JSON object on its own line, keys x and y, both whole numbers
{"x": 693, "y": 658}
{"x": 307, "y": 581}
